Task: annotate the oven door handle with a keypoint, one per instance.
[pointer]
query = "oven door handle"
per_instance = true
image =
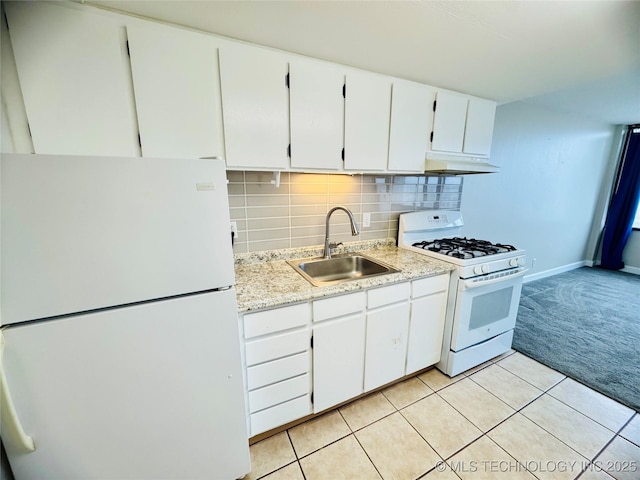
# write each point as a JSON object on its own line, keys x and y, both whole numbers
{"x": 467, "y": 284}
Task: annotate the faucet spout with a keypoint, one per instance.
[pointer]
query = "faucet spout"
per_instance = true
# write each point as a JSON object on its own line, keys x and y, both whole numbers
{"x": 354, "y": 229}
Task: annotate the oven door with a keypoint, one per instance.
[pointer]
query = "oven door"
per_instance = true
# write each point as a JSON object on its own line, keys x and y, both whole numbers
{"x": 485, "y": 308}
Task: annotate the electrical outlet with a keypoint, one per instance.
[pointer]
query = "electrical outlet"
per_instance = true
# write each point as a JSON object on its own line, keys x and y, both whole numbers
{"x": 533, "y": 262}
{"x": 366, "y": 220}
{"x": 234, "y": 229}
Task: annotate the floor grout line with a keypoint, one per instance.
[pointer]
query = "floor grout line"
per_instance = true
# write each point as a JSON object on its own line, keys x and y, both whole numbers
{"x": 484, "y": 432}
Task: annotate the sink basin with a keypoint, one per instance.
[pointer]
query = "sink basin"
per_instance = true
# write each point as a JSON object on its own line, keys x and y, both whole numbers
{"x": 340, "y": 268}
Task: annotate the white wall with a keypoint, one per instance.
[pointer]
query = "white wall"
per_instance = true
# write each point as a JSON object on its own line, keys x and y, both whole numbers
{"x": 545, "y": 198}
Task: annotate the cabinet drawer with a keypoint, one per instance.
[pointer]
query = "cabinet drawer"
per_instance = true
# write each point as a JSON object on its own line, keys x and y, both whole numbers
{"x": 278, "y": 393}
{"x": 391, "y": 294}
{"x": 338, "y": 306}
{"x": 278, "y": 346}
{"x": 430, "y": 285}
{"x": 278, "y": 370}
{"x": 280, "y": 414}
{"x": 276, "y": 320}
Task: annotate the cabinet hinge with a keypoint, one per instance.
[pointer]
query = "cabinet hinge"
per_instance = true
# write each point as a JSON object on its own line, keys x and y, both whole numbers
{"x": 434, "y": 105}
{"x": 139, "y": 140}
{"x": 128, "y": 51}
{"x": 431, "y": 137}
{"x": 287, "y": 80}
{"x": 289, "y": 151}
{"x": 311, "y": 341}
{"x": 311, "y": 397}
{"x": 344, "y": 90}
{"x": 343, "y": 154}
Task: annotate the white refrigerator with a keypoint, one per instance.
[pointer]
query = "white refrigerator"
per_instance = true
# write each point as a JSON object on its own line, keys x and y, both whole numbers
{"x": 121, "y": 352}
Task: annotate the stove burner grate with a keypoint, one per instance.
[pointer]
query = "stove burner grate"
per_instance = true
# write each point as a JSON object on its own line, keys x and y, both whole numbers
{"x": 464, "y": 248}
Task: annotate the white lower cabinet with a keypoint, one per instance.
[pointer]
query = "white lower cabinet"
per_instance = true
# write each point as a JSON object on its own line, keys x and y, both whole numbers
{"x": 338, "y": 349}
{"x": 426, "y": 326}
{"x": 278, "y": 361}
{"x": 387, "y": 331}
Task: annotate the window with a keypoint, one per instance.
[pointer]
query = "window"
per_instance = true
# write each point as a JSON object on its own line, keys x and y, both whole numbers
{"x": 636, "y": 220}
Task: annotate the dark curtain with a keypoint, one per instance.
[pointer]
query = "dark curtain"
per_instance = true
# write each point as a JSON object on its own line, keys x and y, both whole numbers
{"x": 623, "y": 205}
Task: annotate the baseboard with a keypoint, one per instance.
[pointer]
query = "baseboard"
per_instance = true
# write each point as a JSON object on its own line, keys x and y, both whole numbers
{"x": 626, "y": 269}
{"x": 557, "y": 270}
{"x": 634, "y": 270}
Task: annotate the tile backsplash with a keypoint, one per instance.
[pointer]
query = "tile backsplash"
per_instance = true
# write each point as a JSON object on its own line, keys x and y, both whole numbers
{"x": 293, "y": 214}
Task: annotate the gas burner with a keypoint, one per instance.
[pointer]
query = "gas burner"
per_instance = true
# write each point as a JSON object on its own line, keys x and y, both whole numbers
{"x": 463, "y": 247}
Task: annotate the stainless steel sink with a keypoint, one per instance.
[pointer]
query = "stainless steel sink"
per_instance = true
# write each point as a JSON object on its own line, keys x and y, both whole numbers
{"x": 340, "y": 268}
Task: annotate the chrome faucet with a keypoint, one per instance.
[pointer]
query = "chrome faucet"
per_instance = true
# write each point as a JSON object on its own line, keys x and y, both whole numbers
{"x": 354, "y": 230}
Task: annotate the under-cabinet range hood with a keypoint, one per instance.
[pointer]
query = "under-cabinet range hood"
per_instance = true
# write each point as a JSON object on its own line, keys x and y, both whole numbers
{"x": 439, "y": 164}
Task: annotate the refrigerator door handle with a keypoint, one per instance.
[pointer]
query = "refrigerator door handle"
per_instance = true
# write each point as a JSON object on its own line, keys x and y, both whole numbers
{"x": 12, "y": 433}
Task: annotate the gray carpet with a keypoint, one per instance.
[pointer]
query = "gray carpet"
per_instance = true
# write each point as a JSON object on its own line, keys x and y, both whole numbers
{"x": 585, "y": 323}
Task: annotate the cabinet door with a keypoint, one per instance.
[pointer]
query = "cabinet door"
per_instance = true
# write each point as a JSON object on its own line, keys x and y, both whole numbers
{"x": 338, "y": 361}
{"x": 71, "y": 66}
{"x": 386, "y": 346}
{"x": 177, "y": 92}
{"x": 425, "y": 331}
{"x": 367, "y": 110}
{"x": 449, "y": 122}
{"x": 317, "y": 115}
{"x": 479, "y": 131}
{"x": 255, "y": 107}
{"x": 411, "y": 122}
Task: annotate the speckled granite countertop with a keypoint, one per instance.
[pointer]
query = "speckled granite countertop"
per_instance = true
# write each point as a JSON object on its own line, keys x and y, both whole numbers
{"x": 265, "y": 279}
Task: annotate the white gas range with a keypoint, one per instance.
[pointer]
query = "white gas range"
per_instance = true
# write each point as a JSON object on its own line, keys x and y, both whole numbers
{"x": 484, "y": 291}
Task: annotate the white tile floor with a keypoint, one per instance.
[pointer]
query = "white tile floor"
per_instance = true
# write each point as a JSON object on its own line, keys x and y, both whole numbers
{"x": 511, "y": 418}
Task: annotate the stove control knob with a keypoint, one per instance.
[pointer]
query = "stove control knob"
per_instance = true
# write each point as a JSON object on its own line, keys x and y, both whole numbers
{"x": 477, "y": 270}
{"x": 521, "y": 261}
{"x": 513, "y": 262}
{"x": 485, "y": 268}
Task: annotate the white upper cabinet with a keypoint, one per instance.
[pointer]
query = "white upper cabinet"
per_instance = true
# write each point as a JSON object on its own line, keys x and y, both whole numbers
{"x": 479, "y": 131}
{"x": 449, "y": 122}
{"x": 367, "y": 111}
{"x": 463, "y": 124}
{"x": 177, "y": 92}
{"x": 189, "y": 94}
{"x": 72, "y": 67}
{"x": 411, "y": 123}
{"x": 317, "y": 115}
{"x": 255, "y": 102}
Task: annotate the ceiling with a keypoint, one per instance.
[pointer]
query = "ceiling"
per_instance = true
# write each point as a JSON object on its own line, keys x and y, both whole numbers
{"x": 575, "y": 56}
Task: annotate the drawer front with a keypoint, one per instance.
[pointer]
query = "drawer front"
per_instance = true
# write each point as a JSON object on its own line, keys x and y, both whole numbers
{"x": 338, "y": 306}
{"x": 278, "y": 370}
{"x": 280, "y": 414}
{"x": 430, "y": 285}
{"x": 259, "y": 351}
{"x": 278, "y": 393}
{"x": 387, "y": 295}
{"x": 276, "y": 320}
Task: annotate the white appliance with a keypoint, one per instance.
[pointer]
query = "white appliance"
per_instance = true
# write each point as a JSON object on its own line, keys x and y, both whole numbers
{"x": 484, "y": 290}
{"x": 442, "y": 163}
{"x": 121, "y": 348}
